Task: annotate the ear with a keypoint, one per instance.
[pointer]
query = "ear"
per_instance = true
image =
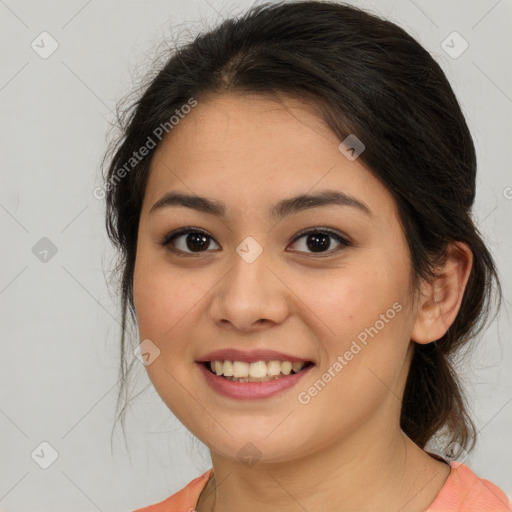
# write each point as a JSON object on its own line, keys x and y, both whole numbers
{"x": 440, "y": 300}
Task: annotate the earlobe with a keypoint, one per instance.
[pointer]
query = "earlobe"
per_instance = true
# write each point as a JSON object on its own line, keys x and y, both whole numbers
{"x": 441, "y": 299}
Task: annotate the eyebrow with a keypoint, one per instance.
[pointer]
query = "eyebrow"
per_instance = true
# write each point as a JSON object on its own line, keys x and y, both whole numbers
{"x": 282, "y": 209}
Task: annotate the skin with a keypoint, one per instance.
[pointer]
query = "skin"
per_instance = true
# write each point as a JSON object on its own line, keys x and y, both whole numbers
{"x": 344, "y": 450}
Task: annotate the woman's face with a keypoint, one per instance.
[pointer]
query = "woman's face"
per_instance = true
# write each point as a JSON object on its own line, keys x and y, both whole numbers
{"x": 255, "y": 283}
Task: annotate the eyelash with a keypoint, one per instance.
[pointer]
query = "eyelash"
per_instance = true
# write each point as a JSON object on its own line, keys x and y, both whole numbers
{"x": 166, "y": 242}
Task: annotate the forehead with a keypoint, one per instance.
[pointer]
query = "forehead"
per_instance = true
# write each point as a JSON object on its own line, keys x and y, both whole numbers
{"x": 254, "y": 149}
{"x": 249, "y": 124}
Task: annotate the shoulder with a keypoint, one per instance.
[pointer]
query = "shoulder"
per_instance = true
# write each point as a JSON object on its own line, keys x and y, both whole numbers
{"x": 184, "y": 499}
{"x": 466, "y": 492}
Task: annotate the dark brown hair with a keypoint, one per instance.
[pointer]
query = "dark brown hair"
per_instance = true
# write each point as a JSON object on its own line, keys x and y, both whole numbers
{"x": 364, "y": 76}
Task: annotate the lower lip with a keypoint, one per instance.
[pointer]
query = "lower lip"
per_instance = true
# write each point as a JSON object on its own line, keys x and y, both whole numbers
{"x": 251, "y": 390}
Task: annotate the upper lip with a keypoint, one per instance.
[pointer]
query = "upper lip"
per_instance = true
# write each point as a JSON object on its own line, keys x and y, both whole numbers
{"x": 232, "y": 354}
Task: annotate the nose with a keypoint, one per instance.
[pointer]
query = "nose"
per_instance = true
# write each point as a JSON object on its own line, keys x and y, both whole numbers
{"x": 250, "y": 297}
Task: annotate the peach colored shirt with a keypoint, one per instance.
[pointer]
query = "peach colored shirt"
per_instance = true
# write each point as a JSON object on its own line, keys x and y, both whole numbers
{"x": 463, "y": 491}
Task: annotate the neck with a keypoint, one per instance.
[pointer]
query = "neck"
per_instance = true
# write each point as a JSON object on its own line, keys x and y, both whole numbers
{"x": 391, "y": 473}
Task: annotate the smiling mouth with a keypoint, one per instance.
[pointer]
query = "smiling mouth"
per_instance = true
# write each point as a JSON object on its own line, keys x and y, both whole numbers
{"x": 259, "y": 371}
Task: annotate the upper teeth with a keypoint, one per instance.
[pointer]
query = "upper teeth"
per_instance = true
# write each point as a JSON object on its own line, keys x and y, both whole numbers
{"x": 258, "y": 369}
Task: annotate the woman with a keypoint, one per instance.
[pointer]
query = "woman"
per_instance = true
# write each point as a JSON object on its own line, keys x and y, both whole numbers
{"x": 291, "y": 198}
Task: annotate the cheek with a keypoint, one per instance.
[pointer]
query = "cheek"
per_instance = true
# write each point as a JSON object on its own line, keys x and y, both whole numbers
{"x": 166, "y": 303}
{"x": 164, "y": 297}
{"x": 353, "y": 299}
{"x": 361, "y": 312}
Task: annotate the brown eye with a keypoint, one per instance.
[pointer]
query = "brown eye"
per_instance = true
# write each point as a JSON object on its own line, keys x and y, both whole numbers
{"x": 320, "y": 241}
{"x": 195, "y": 241}
{"x": 188, "y": 240}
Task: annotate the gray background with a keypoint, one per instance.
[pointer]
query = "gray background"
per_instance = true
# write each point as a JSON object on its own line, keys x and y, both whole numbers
{"x": 60, "y": 321}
